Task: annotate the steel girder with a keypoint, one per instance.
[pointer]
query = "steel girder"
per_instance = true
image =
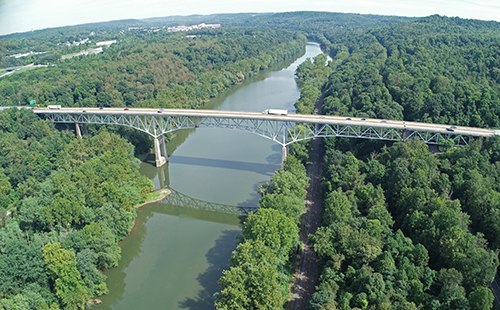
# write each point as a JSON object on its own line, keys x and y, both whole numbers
{"x": 282, "y": 132}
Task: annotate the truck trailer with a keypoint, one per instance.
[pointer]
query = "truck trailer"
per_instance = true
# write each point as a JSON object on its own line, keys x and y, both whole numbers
{"x": 275, "y": 112}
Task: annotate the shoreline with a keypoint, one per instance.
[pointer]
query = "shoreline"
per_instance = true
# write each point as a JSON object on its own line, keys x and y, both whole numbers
{"x": 162, "y": 193}
{"x": 143, "y": 157}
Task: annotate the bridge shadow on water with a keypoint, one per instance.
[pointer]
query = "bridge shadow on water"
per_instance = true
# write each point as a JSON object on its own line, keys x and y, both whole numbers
{"x": 217, "y": 258}
{"x": 265, "y": 169}
{"x": 177, "y": 203}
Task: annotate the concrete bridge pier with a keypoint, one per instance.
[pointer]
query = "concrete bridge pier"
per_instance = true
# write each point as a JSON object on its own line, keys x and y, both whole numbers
{"x": 160, "y": 151}
{"x": 78, "y": 132}
{"x": 284, "y": 154}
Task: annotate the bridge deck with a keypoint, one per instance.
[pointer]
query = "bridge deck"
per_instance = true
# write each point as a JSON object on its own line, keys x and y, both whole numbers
{"x": 298, "y": 118}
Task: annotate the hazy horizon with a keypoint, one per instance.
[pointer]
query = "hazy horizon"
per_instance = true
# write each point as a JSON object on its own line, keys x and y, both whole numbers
{"x": 16, "y": 16}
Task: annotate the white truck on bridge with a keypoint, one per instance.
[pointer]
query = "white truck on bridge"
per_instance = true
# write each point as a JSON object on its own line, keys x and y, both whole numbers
{"x": 56, "y": 106}
{"x": 275, "y": 112}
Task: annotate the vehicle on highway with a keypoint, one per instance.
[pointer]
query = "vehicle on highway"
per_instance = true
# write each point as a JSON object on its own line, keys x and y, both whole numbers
{"x": 275, "y": 112}
{"x": 84, "y": 111}
{"x": 100, "y": 108}
{"x": 383, "y": 121}
{"x": 363, "y": 119}
{"x": 55, "y": 106}
{"x": 126, "y": 109}
{"x": 348, "y": 118}
{"x": 159, "y": 111}
{"x": 450, "y": 129}
{"x": 453, "y": 126}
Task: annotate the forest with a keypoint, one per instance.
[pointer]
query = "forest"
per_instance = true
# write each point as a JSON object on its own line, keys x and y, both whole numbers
{"x": 403, "y": 228}
{"x": 169, "y": 70}
{"x": 71, "y": 200}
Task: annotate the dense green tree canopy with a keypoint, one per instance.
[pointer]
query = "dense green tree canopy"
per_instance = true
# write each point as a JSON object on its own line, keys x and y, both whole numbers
{"x": 71, "y": 201}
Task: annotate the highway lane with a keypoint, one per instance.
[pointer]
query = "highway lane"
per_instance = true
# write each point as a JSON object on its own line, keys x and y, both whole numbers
{"x": 319, "y": 119}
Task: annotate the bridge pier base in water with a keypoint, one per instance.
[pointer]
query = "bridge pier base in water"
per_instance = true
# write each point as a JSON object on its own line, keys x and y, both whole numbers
{"x": 284, "y": 154}
{"x": 160, "y": 151}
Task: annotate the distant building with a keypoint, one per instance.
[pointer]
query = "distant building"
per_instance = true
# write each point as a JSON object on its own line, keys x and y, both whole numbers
{"x": 92, "y": 51}
{"x": 26, "y": 54}
{"x": 187, "y": 28}
{"x": 108, "y": 43}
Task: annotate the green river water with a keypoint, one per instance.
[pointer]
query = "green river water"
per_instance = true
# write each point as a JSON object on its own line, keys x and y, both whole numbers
{"x": 178, "y": 248}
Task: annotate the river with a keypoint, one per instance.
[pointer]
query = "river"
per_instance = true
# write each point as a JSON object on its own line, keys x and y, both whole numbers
{"x": 178, "y": 248}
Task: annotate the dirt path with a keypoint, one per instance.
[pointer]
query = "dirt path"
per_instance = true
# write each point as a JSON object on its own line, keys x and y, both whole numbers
{"x": 308, "y": 266}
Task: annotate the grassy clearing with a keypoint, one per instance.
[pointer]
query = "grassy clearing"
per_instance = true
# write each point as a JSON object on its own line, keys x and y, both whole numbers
{"x": 77, "y": 53}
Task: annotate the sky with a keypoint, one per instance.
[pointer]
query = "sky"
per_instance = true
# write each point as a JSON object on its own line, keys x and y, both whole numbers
{"x": 26, "y": 15}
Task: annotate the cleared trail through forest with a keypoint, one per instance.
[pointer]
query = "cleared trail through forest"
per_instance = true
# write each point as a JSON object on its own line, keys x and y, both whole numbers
{"x": 308, "y": 266}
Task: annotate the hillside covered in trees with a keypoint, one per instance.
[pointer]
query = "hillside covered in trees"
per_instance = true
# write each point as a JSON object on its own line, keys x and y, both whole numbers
{"x": 71, "y": 201}
{"x": 403, "y": 228}
{"x": 436, "y": 69}
{"x": 167, "y": 70}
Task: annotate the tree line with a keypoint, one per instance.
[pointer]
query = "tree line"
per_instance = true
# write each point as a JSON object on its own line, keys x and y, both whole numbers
{"x": 164, "y": 71}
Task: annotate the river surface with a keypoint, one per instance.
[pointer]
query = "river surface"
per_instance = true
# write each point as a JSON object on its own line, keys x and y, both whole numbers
{"x": 178, "y": 248}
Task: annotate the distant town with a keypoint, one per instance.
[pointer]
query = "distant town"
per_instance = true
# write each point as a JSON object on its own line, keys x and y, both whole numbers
{"x": 187, "y": 28}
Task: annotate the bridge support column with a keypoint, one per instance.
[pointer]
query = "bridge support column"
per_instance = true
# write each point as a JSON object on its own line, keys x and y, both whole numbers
{"x": 163, "y": 147}
{"x": 85, "y": 131}
{"x": 284, "y": 154}
{"x": 160, "y": 148}
{"x": 78, "y": 132}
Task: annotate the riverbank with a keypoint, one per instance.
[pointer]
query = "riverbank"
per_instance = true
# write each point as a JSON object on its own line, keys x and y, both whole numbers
{"x": 155, "y": 197}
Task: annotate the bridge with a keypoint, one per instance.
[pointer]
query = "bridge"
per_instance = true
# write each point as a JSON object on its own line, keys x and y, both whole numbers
{"x": 283, "y": 129}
